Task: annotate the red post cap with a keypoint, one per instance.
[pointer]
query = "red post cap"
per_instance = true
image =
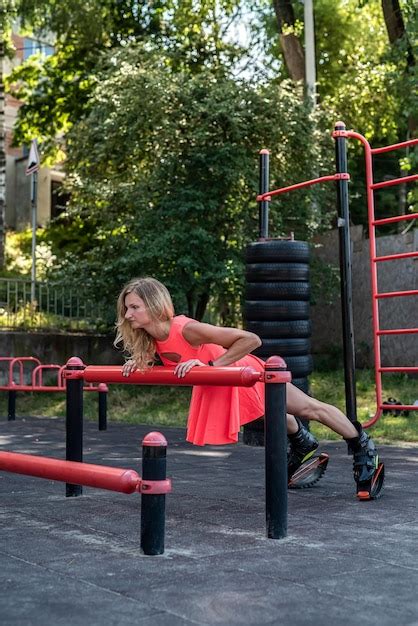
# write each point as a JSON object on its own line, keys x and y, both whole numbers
{"x": 103, "y": 387}
{"x": 264, "y": 151}
{"x": 75, "y": 361}
{"x": 154, "y": 439}
{"x": 339, "y": 125}
{"x": 275, "y": 362}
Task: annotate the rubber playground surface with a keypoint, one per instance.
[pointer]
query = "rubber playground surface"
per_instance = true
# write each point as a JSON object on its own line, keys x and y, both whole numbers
{"x": 77, "y": 561}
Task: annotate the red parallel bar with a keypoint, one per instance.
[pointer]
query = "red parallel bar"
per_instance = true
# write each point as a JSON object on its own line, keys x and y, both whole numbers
{"x": 398, "y": 331}
{"x": 399, "y": 407}
{"x": 396, "y": 218}
{"x": 409, "y": 370}
{"x": 396, "y": 294}
{"x": 395, "y": 146}
{"x": 393, "y": 257}
{"x": 395, "y": 181}
{"x": 159, "y": 375}
{"x": 102, "y": 477}
{"x": 306, "y": 183}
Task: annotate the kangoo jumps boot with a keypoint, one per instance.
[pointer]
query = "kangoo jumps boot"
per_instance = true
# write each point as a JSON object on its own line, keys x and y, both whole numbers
{"x": 369, "y": 472}
{"x": 303, "y": 470}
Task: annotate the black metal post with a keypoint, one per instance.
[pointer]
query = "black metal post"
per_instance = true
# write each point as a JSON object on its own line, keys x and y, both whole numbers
{"x": 275, "y": 451}
{"x": 346, "y": 275}
{"x": 102, "y": 406}
{"x": 74, "y": 422}
{"x": 11, "y": 405}
{"x": 263, "y": 188}
{"x": 154, "y": 467}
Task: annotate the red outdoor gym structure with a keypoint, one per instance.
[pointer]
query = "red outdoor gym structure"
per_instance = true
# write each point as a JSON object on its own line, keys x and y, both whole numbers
{"x": 152, "y": 489}
{"x": 16, "y": 382}
{"x": 274, "y": 376}
{"x": 76, "y": 474}
{"x": 342, "y": 177}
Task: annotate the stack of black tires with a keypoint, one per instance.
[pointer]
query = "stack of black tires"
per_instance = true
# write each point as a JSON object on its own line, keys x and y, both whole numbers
{"x": 277, "y": 309}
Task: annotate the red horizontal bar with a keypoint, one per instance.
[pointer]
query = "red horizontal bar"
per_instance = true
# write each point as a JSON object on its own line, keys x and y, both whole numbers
{"x": 409, "y": 370}
{"x": 399, "y": 407}
{"x": 398, "y": 331}
{"x": 159, "y": 375}
{"x": 396, "y": 218}
{"x": 395, "y": 146}
{"x": 393, "y": 257}
{"x": 306, "y": 183}
{"x": 397, "y": 294}
{"x": 394, "y": 181}
{"x": 100, "y": 476}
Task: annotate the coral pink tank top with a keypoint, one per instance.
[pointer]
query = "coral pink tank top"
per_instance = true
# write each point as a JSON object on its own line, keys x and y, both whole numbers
{"x": 216, "y": 413}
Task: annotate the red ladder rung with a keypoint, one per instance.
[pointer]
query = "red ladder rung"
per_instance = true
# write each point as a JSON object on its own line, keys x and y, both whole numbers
{"x": 398, "y": 331}
{"x": 395, "y": 146}
{"x": 394, "y": 181}
{"x": 392, "y": 257}
{"x": 394, "y": 219}
{"x": 409, "y": 370}
{"x": 396, "y": 294}
{"x": 399, "y": 407}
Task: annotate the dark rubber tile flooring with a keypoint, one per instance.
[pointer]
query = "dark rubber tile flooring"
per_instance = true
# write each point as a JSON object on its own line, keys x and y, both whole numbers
{"x": 77, "y": 561}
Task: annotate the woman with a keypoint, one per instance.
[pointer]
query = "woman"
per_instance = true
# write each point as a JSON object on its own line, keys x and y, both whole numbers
{"x": 147, "y": 325}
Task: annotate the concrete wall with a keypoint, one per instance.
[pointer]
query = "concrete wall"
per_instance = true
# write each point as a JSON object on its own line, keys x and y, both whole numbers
{"x": 401, "y": 312}
{"x": 57, "y": 348}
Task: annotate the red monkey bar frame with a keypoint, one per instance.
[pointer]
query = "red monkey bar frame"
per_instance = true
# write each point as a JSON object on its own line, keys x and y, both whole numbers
{"x": 341, "y": 178}
{"x": 371, "y": 186}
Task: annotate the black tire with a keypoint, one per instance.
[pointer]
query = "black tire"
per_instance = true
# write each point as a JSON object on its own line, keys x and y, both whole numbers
{"x": 265, "y": 272}
{"x": 279, "y": 291}
{"x": 302, "y": 384}
{"x": 276, "y": 310}
{"x": 276, "y": 250}
{"x": 300, "y": 366}
{"x": 277, "y": 330}
{"x": 284, "y": 347}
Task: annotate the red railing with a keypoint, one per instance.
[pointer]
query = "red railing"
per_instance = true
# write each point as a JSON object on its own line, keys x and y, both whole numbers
{"x": 16, "y": 376}
{"x": 374, "y": 260}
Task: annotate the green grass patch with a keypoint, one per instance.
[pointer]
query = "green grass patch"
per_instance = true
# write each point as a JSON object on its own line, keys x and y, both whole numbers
{"x": 168, "y": 406}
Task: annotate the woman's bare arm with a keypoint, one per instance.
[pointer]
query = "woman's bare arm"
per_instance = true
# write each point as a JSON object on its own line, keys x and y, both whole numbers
{"x": 238, "y": 343}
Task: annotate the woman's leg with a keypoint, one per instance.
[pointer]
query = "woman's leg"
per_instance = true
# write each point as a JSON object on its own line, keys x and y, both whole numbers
{"x": 302, "y": 405}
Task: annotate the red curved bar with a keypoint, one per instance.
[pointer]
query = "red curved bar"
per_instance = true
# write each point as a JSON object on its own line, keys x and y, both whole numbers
{"x": 307, "y": 183}
{"x": 99, "y": 476}
{"x": 159, "y": 375}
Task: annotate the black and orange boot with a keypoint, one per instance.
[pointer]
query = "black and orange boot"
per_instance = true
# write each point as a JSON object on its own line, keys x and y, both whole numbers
{"x": 369, "y": 472}
{"x": 303, "y": 469}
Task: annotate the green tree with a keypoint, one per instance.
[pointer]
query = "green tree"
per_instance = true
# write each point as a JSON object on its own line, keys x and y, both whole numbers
{"x": 56, "y": 90}
{"x": 163, "y": 175}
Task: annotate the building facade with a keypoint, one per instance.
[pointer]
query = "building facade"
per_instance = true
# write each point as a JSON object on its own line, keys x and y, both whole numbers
{"x": 18, "y": 185}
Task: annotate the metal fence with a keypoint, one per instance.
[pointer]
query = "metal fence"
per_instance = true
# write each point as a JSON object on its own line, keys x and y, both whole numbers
{"x": 46, "y": 305}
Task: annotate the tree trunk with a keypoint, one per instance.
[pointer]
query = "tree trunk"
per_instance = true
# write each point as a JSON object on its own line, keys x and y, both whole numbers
{"x": 293, "y": 54}
{"x": 395, "y": 26}
{"x": 201, "y": 305}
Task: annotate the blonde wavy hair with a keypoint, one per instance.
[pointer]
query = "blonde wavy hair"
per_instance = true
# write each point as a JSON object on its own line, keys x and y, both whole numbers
{"x": 137, "y": 342}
